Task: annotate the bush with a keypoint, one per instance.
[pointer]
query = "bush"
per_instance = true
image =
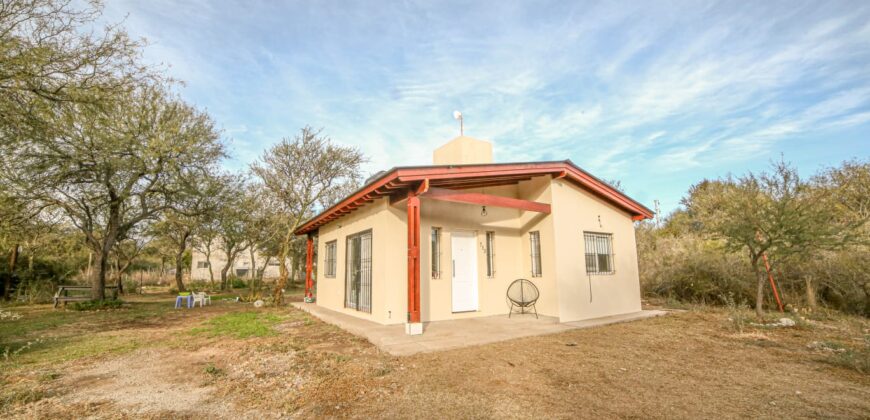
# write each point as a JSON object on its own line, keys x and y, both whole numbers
{"x": 681, "y": 265}
{"x": 237, "y": 283}
{"x": 96, "y": 305}
{"x": 38, "y": 283}
{"x": 132, "y": 286}
{"x": 689, "y": 269}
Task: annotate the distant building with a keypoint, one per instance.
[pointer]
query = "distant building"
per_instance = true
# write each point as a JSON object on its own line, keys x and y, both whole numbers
{"x": 242, "y": 266}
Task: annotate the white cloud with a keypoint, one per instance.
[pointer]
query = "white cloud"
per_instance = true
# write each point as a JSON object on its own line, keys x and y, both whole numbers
{"x": 614, "y": 87}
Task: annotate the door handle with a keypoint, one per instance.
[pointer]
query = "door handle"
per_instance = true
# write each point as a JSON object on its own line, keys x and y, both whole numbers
{"x": 454, "y": 269}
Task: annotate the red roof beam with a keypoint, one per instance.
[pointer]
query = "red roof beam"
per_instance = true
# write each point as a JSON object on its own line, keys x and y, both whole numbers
{"x": 486, "y": 200}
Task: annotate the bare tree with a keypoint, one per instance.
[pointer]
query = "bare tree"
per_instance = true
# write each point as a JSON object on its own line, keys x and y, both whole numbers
{"x": 196, "y": 205}
{"x": 232, "y": 219}
{"x": 305, "y": 174}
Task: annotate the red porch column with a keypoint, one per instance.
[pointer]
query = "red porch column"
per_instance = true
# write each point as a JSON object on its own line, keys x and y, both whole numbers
{"x": 413, "y": 258}
{"x": 309, "y": 266}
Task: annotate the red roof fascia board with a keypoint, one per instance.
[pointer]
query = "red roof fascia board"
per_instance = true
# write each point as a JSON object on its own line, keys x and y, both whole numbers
{"x": 401, "y": 178}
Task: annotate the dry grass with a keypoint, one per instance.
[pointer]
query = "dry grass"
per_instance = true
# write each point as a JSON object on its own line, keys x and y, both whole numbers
{"x": 687, "y": 364}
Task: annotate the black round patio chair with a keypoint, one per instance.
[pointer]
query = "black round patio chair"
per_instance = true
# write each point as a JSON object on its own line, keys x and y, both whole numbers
{"x": 523, "y": 294}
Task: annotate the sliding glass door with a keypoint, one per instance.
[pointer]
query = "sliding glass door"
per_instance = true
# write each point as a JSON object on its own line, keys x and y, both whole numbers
{"x": 358, "y": 275}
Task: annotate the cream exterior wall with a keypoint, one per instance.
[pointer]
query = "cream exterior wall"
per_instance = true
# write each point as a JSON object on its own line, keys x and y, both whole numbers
{"x": 563, "y": 284}
{"x": 389, "y": 265}
{"x": 219, "y": 259}
{"x": 576, "y": 211}
{"x": 463, "y": 150}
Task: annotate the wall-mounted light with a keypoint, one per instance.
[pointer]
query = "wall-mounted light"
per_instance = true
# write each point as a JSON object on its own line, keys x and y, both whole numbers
{"x": 483, "y": 211}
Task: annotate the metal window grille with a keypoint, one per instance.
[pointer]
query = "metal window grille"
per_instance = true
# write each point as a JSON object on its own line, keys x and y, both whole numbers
{"x": 535, "y": 242}
{"x": 599, "y": 253}
{"x": 436, "y": 252}
{"x": 358, "y": 276}
{"x": 202, "y": 264}
{"x": 490, "y": 254}
{"x": 331, "y": 248}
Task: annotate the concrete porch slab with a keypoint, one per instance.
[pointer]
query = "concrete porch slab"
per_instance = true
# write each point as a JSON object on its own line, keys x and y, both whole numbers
{"x": 446, "y": 335}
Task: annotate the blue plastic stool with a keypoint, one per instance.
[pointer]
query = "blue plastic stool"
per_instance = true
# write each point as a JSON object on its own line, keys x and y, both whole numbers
{"x": 189, "y": 299}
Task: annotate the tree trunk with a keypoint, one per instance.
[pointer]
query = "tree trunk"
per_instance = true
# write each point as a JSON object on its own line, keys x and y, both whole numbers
{"x": 179, "y": 261}
{"x": 262, "y": 269}
{"x": 224, "y": 282}
{"x": 208, "y": 261}
{"x": 98, "y": 281}
{"x": 759, "y": 296}
{"x": 231, "y": 257}
{"x": 282, "y": 272}
{"x": 812, "y": 302}
{"x": 179, "y": 271}
{"x": 253, "y": 276}
{"x": 90, "y": 271}
{"x": 13, "y": 263}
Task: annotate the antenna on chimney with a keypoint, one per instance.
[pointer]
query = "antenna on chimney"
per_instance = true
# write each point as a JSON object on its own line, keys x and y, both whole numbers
{"x": 458, "y": 116}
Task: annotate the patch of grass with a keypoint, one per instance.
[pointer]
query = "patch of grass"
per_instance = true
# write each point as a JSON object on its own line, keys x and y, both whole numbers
{"x": 213, "y": 370}
{"x": 97, "y": 305}
{"x": 738, "y": 312}
{"x": 10, "y": 397}
{"x": 858, "y": 360}
{"x": 49, "y": 376}
{"x": 62, "y": 349}
{"x": 240, "y": 325}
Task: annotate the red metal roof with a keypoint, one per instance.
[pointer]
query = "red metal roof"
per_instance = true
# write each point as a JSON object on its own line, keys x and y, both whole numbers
{"x": 398, "y": 180}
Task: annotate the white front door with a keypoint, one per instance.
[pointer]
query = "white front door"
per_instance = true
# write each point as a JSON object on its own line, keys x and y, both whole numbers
{"x": 464, "y": 271}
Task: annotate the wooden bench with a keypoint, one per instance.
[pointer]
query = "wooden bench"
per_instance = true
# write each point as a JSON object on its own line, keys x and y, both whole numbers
{"x": 62, "y": 294}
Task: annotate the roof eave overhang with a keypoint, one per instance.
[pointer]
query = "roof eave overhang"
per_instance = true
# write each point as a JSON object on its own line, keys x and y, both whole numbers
{"x": 397, "y": 180}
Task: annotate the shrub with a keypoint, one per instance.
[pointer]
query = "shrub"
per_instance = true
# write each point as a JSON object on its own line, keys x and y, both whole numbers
{"x": 213, "y": 370}
{"x": 95, "y": 305}
{"x": 858, "y": 360}
{"x": 237, "y": 283}
{"x": 132, "y": 286}
{"x": 738, "y": 312}
{"x": 38, "y": 283}
{"x": 690, "y": 269}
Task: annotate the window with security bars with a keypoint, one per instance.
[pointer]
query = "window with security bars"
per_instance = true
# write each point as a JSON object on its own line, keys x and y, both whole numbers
{"x": 535, "y": 243}
{"x": 358, "y": 275}
{"x": 490, "y": 254}
{"x": 436, "y": 253}
{"x": 202, "y": 264}
{"x": 331, "y": 250}
{"x": 599, "y": 253}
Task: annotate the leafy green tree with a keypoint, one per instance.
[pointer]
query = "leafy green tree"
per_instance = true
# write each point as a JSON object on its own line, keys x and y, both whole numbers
{"x": 113, "y": 167}
{"x": 49, "y": 59}
{"x": 844, "y": 193}
{"x": 305, "y": 174}
{"x": 773, "y": 212}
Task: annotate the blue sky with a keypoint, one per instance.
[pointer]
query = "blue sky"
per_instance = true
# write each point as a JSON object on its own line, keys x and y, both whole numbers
{"x": 658, "y": 95}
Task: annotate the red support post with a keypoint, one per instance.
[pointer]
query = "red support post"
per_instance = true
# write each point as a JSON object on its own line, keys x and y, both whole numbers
{"x": 413, "y": 257}
{"x": 772, "y": 283}
{"x": 309, "y": 267}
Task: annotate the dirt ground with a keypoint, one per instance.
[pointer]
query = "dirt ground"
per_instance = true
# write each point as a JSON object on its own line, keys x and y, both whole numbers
{"x": 177, "y": 364}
